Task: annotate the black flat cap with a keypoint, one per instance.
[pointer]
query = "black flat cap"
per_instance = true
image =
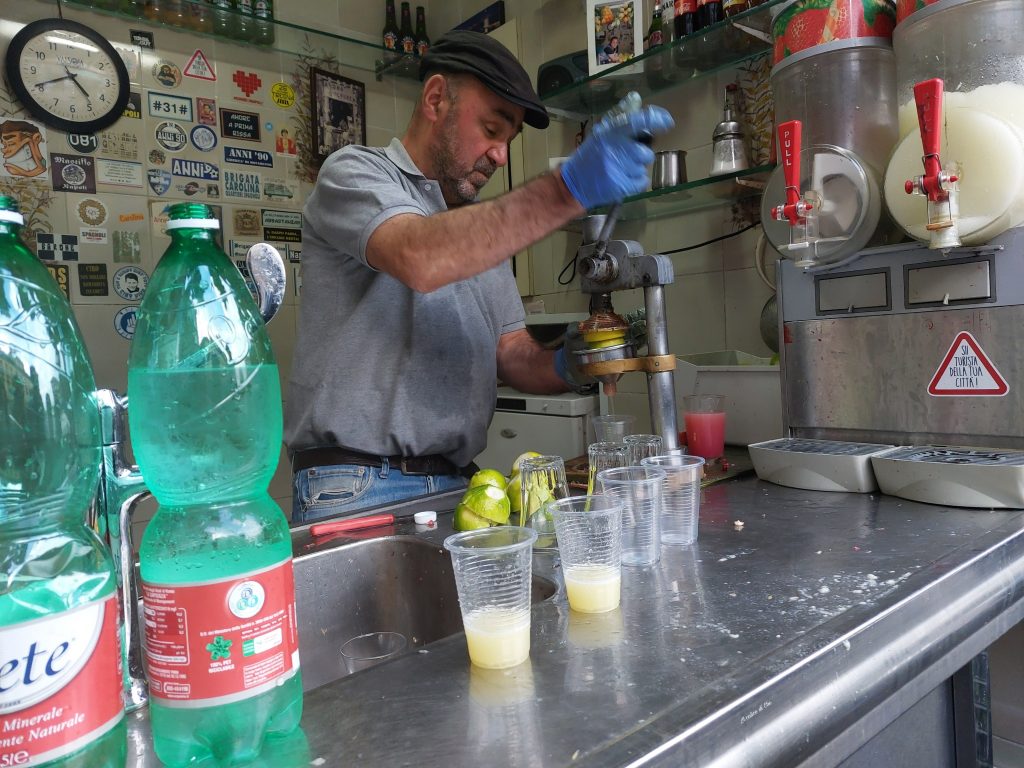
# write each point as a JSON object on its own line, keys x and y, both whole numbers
{"x": 481, "y": 55}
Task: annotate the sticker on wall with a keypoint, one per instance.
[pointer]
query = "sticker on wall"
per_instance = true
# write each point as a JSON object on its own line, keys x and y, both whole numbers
{"x": 171, "y": 136}
{"x": 242, "y": 186}
{"x": 279, "y": 189}
{"x": 127, "y": 245}
{"x": 247, "y": 222}
{"x": 24, "y": 148}
{"x": 141, "y": 38}
{"x": 967, "y": 371}
{"x": 166, "y": 73}
{"x": 248, "y": 83}
{"x": 120, "y": 144}
{"x": 85, "y": 143}
{"x": 69, "y": 173}
{"x": 283, "y": 95}
{"x": 284, "y": 143}
{"x": 133, "y": 109}
{"x": 159, "y": 180}
{"x": 242, "y": 156}
{"x": 167, "y": 105}
{"x": 61, "y": 273}
{"x": 157, "y": 156}
{"x": 239, "y": 125}
{"x": 200, "y": 67}
{"x": 295, "y": 256}
{"x": 119, "y": 173}
{"x": 92, "y": 236}
{"x": 124, "y": 321}
{"x": 282, "y": 220}
{"x": 91, "y": 211}
{"x": 92, "y": 280}
{"x": 206, "y": 111}
{"x": 50, "y": 247}
{"x": 131, "y": 55}
{"x": 197, "y": 189}
{"x": 195, "y": 169}
{"x": 130, "y": 283}
{"x": 203, "y": 138}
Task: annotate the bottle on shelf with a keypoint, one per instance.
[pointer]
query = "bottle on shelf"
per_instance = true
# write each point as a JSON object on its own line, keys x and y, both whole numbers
{"x": 684, "y": 19}
{"x": 422, "y": 41}
{"x": 709, "y": 12}
{"x": 242, "y": 27}
{"x": 200, "y": 16}
{"x": 263, "y": 11}
{"x": 654, "y": 32}
{"x": 684, "y": 24}
{"x": 222, "y": 18}
{"x": 732, "y": 7}
{"x": 391, "y": 34}
{"x": 216, "y": 560}
{"x": 175, "y": 13}
{"x": 58, "y": 597}
{"x": 406, "y": 36}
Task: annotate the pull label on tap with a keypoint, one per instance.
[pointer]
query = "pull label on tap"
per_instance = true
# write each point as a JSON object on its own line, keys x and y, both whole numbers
{"x": 60, "y": 683}
{"x": 222, "y": 641}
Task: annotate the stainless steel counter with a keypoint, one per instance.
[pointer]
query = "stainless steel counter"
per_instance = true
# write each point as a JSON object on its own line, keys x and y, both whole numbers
{"x": 792, "y": 640}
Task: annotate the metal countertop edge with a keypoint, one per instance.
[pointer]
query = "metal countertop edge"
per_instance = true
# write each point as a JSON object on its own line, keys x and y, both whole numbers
{"x": 823, "y": 708}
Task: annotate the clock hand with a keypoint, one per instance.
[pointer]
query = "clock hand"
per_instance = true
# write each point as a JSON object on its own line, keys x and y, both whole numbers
{"x": 54, "y": 80}
{"x": 78, "y": 85}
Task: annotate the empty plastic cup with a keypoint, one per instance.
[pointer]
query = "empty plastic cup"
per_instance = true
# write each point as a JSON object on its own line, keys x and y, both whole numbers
{"x": 590, "y": 546}
{"x": 611, "y": 429}
{"x": 704, "y": 417}
{"x": 642, "y": 446}
{"x": 541, "y": 479}
{"x": 604, "y": 456}
{"x": 365, "y": 651}
{"x": 639, "y": 490}
{"x": 493, "y": 570}
{"x": 680, "y": 496}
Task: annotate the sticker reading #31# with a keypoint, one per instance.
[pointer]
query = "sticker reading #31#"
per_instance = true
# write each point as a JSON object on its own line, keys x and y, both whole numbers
{"x": 241, "y": 185}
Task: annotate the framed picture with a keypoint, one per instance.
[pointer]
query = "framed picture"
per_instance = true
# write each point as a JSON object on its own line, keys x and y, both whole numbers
{"x": 339, "y": 112}
{"x": 614, "y": 35}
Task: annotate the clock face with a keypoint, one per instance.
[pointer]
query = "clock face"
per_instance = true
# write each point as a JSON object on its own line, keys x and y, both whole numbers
{"x": 67, "y": 75}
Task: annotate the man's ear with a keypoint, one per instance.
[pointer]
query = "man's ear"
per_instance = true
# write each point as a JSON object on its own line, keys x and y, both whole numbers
{"x": 434, "y": 102}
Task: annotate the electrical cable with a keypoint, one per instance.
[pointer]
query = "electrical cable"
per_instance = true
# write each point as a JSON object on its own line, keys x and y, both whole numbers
{"x": 759, "y": 265}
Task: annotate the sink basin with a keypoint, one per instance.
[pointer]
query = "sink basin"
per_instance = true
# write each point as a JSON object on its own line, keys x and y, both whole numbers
{"x": 394, "y": 583}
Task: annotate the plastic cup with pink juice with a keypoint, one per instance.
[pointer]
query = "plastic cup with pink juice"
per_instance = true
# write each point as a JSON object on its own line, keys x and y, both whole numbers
{"x": 704, "y": 418}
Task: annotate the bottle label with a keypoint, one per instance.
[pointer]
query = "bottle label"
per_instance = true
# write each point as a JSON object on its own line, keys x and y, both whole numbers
{"x": 263, "y": 9}
{"x": 60, "y": 683}
{"x": 221, "y": 641}
{"x": 422, "y": 48}
{"x": 685, "y": 6}
{"x": 408, "y": 44}
{"x": 390, "y": 41}
{"x": 655, "y": 39}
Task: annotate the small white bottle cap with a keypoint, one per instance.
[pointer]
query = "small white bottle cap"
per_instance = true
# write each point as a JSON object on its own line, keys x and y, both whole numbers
{"x": 425, "y": 518}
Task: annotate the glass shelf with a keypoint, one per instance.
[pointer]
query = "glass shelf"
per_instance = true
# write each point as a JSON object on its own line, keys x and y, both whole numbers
{"x": 695, "y": 195}
{"x": 288, "y": 38}
{"x": 713, "y": 49}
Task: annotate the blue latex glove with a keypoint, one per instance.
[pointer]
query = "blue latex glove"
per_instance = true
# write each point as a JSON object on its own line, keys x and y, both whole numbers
{"x": 611, "y": 162}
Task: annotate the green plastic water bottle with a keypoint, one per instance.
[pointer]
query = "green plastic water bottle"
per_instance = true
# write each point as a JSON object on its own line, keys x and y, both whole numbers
{"x": 218, "y": 592}
{"x": 60, "y": 659}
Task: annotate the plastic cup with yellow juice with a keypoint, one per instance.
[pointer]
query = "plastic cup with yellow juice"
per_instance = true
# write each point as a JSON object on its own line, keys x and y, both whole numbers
{"x": 591, "y": 551}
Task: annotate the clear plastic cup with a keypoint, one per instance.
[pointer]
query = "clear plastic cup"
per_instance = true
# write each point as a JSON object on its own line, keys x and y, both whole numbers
{"x": 612, "y": 428}
{"x": 590, "y": 546}
{"x": 493, "y": 570}
{"x": 680, "y": 496}
{"x": 642, "y": 446}
{"x": 704, "y": 417}
{"x": 371, "y": 649}
{"x": 604, "y": 456}
{"x": 541, "y": 479}
{"x": 639, "y": 490}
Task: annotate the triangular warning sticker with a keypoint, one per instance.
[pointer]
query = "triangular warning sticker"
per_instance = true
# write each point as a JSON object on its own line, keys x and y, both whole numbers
{"x": 966, "y": 371}
{"x": 199, "y": 67}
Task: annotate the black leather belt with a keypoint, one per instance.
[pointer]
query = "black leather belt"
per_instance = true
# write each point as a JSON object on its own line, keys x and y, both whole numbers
{"x": 435, "y": 464}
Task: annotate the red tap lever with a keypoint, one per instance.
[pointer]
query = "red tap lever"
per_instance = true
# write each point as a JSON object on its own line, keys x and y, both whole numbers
{"x": 935, "y": 183}
{"x": 795, "y": 208}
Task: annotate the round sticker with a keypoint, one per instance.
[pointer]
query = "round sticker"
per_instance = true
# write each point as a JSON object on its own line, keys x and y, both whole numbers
{"x": 166, "y": 73}
{"x": 246, "y": 599}
{"x": 130, "y": 283}
{"x": 157, "y": 157}
{"x": 203, "y": 138}
{"x": 282, "y": 94}
{"x": 83, "y": 142}
{"x": 171, "y": 136}
{"x": 124, "y": 322}
{"x": 73, "y": 175}
{"x": 92, "y": 212}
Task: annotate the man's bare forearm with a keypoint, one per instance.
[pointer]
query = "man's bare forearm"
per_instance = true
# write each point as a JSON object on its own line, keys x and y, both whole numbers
{"x": 524, "y": 364}
{"x": 428, "y": 252}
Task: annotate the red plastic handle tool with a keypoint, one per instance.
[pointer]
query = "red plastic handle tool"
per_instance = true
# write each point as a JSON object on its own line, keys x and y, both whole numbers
{"x": 794, "y": 209}
{"x": 352, "y": 524}
{"x": 928, "y": 96}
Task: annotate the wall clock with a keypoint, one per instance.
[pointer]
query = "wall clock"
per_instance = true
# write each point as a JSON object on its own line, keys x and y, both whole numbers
{"x": 67, "y": 75}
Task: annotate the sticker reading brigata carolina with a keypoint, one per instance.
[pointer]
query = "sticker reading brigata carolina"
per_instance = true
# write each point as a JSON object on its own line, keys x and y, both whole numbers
{"x": 60, "y": 683}
{"x": 222, "y": 641}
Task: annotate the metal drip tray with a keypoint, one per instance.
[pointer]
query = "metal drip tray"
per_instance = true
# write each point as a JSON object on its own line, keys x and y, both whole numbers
{"x": 817, "y": 465}
{"x": 952, "y": 476}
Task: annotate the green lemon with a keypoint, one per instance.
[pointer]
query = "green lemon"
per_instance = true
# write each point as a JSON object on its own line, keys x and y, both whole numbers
{"x": 488, "y": 502}
{"x": 515, "y": 494}
{"x": 488, "y": 477}
{"x": 519, "y": 460}
{"x": 465, "y": 520}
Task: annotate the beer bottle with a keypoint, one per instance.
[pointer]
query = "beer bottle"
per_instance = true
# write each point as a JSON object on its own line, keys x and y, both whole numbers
{"x": 655, "y": 35}
{"x": 391, "y": 33}
{"x": 263, "y": 11}
{"x": 422, "y": 41}
{"x": 406, "y": 37}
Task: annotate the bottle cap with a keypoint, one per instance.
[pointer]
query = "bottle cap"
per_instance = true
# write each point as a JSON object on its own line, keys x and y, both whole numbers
{"x": 193, "y": 223}
{"x": 12, "y": 216}
{"x": 425, "y": 518}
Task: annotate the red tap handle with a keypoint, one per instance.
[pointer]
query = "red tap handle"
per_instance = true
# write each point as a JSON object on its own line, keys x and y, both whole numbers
{"x": 928, "y": 95}
{"x": 794, "y": 209}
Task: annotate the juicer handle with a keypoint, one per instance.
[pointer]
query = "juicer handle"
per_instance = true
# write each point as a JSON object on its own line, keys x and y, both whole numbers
{"x": 935, "y": 183}
{"x": 795, "y": 208}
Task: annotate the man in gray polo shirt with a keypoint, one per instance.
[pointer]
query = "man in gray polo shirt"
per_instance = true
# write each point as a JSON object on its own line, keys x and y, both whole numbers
{"x": 410, "y": 311}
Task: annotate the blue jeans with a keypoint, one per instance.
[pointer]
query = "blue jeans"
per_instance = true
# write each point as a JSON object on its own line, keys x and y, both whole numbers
{"x": 343, "y": 489}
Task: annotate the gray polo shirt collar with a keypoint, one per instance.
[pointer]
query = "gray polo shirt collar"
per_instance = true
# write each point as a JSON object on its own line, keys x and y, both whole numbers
{"x": 398, "y": 155}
